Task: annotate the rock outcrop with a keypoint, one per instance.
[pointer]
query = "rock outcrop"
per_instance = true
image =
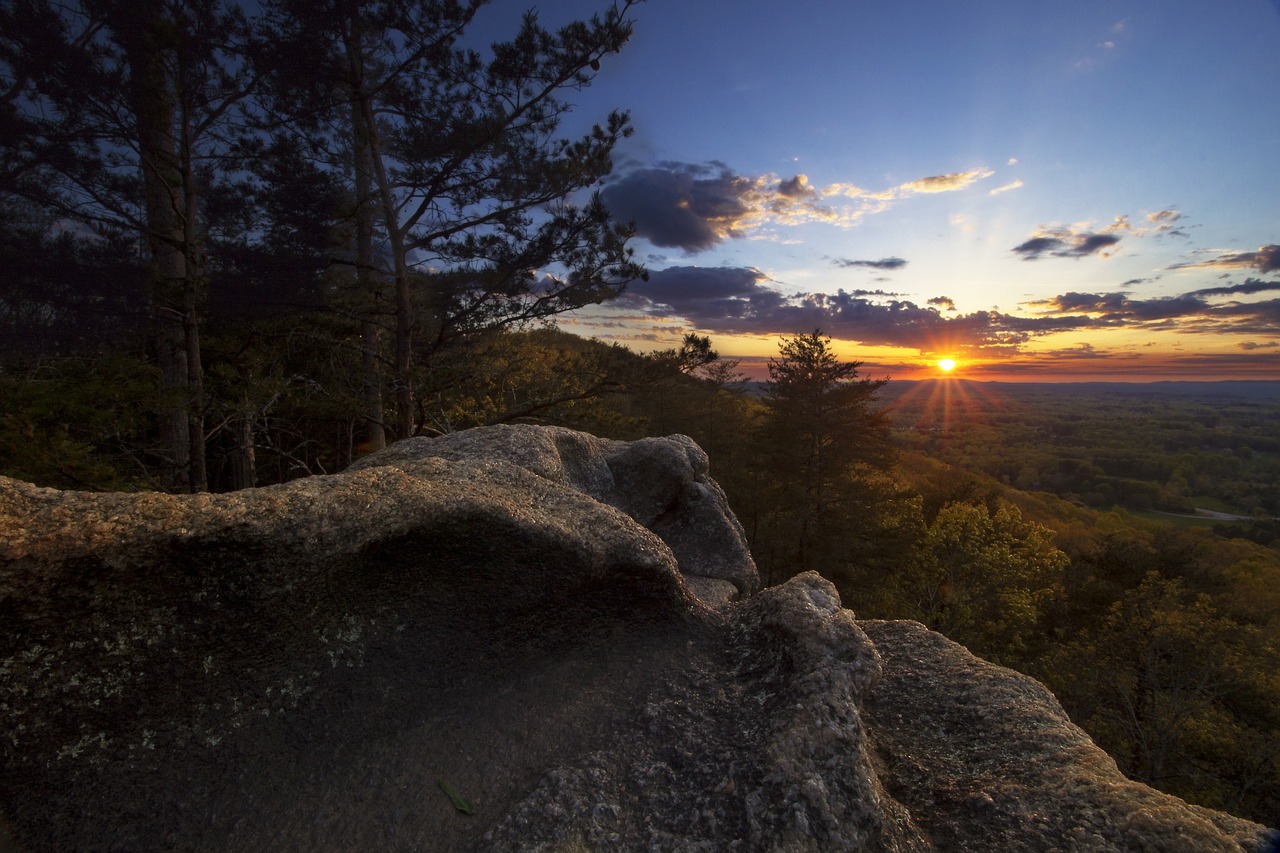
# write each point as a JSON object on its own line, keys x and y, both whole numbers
{"x": 514, "y": 638}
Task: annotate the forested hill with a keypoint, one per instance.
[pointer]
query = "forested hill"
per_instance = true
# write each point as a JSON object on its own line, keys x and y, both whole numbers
{"x": 1172, "y": 447}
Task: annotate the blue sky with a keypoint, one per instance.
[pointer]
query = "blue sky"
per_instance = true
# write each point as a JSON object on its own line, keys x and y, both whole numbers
{"x": 1086, "y": 190}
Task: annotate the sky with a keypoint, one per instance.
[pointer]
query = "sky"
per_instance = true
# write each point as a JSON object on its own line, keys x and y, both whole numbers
{"x": 1084, "y": 191}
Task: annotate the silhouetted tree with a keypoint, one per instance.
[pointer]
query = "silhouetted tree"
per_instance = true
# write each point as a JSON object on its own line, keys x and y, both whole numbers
{"x": 819, "y": 437}
{"x": 120, "y": 105}
{"x": 460, "y": 160}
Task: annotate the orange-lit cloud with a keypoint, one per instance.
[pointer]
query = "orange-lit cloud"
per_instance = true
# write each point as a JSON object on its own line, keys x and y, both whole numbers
{"x": 944, "y": 183}
{"x": 745, "y": 301}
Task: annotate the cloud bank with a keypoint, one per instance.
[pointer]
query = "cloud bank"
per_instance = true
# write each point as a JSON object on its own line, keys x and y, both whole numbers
{"x": 743, "y": 300}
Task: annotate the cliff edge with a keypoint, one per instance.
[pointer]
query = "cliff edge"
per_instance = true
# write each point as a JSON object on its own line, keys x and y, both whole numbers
{"x": 512, "y": 638}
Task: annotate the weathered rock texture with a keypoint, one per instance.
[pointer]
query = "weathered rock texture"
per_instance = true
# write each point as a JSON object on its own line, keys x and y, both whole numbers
{"x": 509, "y": 614}
{"x": 660, "y": 482}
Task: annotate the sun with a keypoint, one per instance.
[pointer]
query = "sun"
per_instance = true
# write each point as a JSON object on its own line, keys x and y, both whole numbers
{"x": 947, "y": 365}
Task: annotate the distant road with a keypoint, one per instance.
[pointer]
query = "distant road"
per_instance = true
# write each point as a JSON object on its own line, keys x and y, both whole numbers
{"x": 1207, "y": 513}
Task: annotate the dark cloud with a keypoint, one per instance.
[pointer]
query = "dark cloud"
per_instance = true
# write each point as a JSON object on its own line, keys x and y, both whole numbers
{"x": 1065, "y": 245}
{"x": 1249, "y": 286}
{"x": 1249, "y": 346}
{"x": 680, "y": 205}
{"x": 1265, "y": 260}
{"x": 1188, "y": 313}
{"x": 946, "y": 303}
{"x": 882, "y": 264}
{"x": 730, "y": 300}
{"x": 696, "y": 206}
{"x": 797, "y": 187}
{"x": 1037, "y": 246}
{"x": 1092, "y": 243}
{"x": 1091, "y": 302}
{"x": 1117, "y": 308}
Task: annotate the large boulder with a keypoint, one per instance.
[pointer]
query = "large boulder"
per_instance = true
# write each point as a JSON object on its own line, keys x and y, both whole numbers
{"x": 985, "y": 758}
{"x": 491, "y": 641}
{"x": 662, "y": 483}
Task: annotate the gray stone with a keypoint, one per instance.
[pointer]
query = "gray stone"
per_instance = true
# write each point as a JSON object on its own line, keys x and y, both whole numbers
{"x": 482, "y": 642}
{"x": 985, "y": 758}
{"x": 662, "y": 483}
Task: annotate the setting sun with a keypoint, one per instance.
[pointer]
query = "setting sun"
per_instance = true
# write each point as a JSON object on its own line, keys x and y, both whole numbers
{"x": 947, "y": 365}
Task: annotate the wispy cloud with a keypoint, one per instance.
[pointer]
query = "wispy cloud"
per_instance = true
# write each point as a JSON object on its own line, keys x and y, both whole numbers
{"x": 1249, "y": 287}
{"x": 1084, "y": 239}
{"x": 1004, "y": 189}
{"x": 695, "y": 207}
{"x": 1265, "y": 260}
{"x": 882, "y": 264}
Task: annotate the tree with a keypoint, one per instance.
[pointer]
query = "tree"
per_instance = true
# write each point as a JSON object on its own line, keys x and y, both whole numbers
{"x": 820, "y": 444}
{"x": 1181, "y": 695}
{"x": 119, "y": 105}
{"x": 981, "y": 575}
{"x": 472, "y": 189}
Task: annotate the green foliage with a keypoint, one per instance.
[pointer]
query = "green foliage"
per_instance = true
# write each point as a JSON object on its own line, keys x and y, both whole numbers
{"x": 1165, "y": 448}
{"x": 982, "y": 577}
{"x": 78, "y": 423}
{"x": 1179, "y": 693}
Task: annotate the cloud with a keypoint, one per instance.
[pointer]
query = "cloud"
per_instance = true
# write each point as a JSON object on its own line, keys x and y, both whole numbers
{"x": 695, "y": 207}
{"x": 1250, "y": 286}
{"x": 944, "y": 183}
{"x": 882, "y": 264}
{"x": 1083, "y": 239}
{"x": 1004, "y": 189}
{"x": 1265, "y": 260}
{"x": 797, "y": 187}
{"x": 682, "y": 206}
{"x": 1188, "y": 313}
{"x": 743, "y": 300}
{"x": 1065, "y": 243}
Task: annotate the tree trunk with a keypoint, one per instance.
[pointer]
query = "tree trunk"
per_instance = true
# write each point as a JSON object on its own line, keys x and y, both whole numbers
{"x": 375, "y": 436}
{"x": 403, "y": 363}
{"x": 156, "y": 109}
{"x": 244, "y": 473}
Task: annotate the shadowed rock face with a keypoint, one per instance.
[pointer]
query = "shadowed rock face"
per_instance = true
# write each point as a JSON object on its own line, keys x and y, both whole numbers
{"x": 512, "y": 614}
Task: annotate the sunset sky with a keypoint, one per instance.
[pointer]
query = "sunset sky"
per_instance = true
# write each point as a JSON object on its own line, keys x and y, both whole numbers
{"x": 1039, "y": 191}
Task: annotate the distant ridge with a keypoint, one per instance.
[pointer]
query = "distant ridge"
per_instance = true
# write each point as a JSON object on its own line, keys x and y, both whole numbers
{"x": 1253, "y": 389}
